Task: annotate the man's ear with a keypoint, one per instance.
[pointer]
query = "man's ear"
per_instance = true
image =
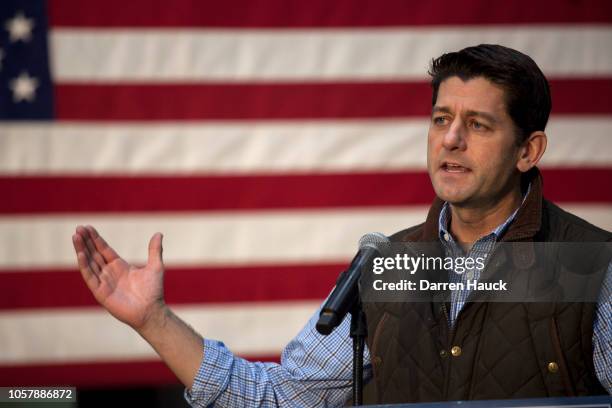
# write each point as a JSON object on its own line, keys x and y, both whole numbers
{"x": 531, "y": 151}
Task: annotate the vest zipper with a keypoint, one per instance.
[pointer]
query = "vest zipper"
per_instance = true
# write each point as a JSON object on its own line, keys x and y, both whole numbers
{"x": 556, "y": 341}
{"x": 449, "y": 341}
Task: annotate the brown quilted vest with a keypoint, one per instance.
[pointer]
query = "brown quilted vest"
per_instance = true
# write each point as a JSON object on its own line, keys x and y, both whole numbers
{"x": 495, "y": 350}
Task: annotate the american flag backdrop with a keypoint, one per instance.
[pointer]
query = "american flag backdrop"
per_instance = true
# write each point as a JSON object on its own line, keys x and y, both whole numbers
{"x": 263, "y": 138}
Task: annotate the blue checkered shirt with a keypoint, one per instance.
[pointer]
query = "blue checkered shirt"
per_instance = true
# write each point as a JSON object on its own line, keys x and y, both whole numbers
{"x": 480, "y": 249}
{"x": 316, "y": 370}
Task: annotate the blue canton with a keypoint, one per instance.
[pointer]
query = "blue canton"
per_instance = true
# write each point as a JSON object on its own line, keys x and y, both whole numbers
{"x": 26, "y": 90}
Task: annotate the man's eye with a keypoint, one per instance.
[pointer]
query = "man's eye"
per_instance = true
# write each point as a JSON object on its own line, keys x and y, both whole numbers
{"x": 477, "y": 125}
{"x": 440, "y": 120}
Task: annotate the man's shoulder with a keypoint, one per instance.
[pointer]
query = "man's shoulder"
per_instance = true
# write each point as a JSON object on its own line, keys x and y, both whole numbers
{"x": 563, "y": 225}
{"x": 558, "y": 225}
{"x": 411, "y": 234}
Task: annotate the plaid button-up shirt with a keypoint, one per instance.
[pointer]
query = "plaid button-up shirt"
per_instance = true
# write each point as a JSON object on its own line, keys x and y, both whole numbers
{"x": 481, "y": 248}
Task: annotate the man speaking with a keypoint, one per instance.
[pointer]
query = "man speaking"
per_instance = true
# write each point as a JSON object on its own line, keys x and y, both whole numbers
{"x": 490, "y": 107}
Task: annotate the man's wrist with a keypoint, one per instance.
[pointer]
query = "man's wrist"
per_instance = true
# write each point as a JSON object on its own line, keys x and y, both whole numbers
{"x": 155, "y": 320}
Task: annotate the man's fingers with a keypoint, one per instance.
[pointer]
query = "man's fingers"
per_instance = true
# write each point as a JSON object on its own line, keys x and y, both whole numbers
{"x": 108, "y": 253}
{"x": 91, "y": 250}
{"x": 90, "y": 278}
{"x": 85, "y": 240}
{"x": 94, "y": 255}
{"x": 80, "y": 247}
{"x": 77, "y": 242}
{"x": 155, "y": 249}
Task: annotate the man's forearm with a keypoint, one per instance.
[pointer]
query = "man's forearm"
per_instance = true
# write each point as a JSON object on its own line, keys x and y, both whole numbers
{"x": 177, "y": 343}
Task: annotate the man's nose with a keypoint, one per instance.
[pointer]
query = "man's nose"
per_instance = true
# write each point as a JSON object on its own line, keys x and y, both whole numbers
{"x": 454, "y": 138}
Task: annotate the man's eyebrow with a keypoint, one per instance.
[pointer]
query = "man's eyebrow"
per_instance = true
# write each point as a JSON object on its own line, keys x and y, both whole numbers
{"x": 491, "y": 118}
{"x": 442, "y": 109}
{"x": 487, "y": 116}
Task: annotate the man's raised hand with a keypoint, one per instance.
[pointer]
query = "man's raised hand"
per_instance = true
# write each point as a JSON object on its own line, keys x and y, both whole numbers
{"x": 134, "y": 295}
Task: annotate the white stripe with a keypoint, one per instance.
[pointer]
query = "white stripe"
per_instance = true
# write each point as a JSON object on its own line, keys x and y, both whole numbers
{"x": 578, "y": 141}
{"x": 598, "y": 214}
{"x": 260, "y": 147}
{"x": 211, "y": 147}
{"x": 234, "y": 237}
{"x": 319, "y": 55}
{"x": 49, "y": 336}
{"x": 223, "y": 238}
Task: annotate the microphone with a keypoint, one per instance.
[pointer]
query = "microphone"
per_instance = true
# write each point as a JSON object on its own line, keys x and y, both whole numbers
{"x": 345, "y": 293}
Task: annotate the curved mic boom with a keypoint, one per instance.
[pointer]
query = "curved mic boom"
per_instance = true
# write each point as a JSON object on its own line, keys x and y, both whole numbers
{"x": 345, "y": 293}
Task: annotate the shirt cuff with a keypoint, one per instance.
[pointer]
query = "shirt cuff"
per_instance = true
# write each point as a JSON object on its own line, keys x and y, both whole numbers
{"x": 212, "y": 376}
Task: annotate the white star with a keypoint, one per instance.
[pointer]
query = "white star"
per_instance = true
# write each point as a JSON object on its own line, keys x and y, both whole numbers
{"x": 20, "y": 27}
{"x": 24, "y": 88}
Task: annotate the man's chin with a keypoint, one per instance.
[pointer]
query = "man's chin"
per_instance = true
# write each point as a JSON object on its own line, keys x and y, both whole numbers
{"x": 457, "y": 202}
{"x": 456, "y": 198}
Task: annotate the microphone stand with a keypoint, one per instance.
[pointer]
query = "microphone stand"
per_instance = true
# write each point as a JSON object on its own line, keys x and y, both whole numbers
{"x": 344, "y": 299}
{"x": 359, "y": 331}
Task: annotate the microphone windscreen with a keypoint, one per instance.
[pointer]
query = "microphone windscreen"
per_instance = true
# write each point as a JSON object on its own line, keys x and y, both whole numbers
{"x": 374, "y": 240}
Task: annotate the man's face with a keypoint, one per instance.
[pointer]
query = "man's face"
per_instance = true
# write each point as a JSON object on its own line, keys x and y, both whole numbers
{"x": 471, "y": 150}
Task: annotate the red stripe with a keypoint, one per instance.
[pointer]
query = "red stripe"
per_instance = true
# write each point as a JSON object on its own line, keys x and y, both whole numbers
{"x": 578, "y": 185}
{"x": 319, "y": 13}
{"x": 274, "y": 101}
{"x": 135, "y": 194}
{"x": 241, "y": 101}
{"x": 41, "y": 288}
{"x": 95, "y": 374}
{"x": 156, "y": 194}
{"x": 581, "y": 95}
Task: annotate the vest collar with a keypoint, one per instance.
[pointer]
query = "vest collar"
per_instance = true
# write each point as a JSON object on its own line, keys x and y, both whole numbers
{"x": 526, "y": 224}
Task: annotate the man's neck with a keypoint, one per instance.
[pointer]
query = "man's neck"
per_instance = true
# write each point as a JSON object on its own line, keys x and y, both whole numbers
{"x": 468, "y": 224}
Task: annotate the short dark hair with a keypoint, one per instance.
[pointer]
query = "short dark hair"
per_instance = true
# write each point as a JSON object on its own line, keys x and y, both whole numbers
{"x": 525, "y": 88}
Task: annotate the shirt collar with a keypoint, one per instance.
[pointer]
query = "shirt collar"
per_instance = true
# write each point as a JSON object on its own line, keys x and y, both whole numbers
{"x": 445, "y": 216}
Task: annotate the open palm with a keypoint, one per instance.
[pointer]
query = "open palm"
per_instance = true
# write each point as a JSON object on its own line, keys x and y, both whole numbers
{"x": 129, "y": 293}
